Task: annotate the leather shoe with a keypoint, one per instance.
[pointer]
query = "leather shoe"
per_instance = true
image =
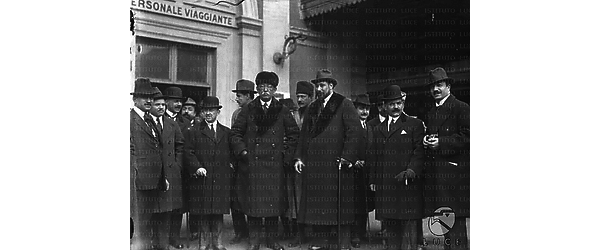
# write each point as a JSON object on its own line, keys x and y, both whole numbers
{"x": 176, "y": 245}
{"x": 194, "y": 236}
{"x": 254, "y": 247}
{"x": 237, "y": 239}
{"x": 315, "y": 247}
{"x": 275, "y": 246}
{"x": 355, "y": 243}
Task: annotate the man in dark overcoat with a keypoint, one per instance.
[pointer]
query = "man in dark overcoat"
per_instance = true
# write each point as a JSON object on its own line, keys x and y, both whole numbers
{"x": 258, "y": 141}
{"x": 328, "y": 140}
{"x": 174, "y": 103}
{"x": 210, "y": 172}
{"x": 244, "y": 93}
{"x": 398, "y": 162}
{"x": 156, "y": 146}
{"x": 305, "y": 92}
{"x": 447, "y": 146}
{"x": 363, "y": 196}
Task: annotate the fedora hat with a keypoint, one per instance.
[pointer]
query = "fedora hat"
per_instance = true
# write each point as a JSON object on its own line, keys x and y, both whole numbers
{"x": 267, "y": 77}
{"x": 324, "y": 75}
{"x": 189, "y": 102}
{"x": 173, "y": 93}
{"x": 393, "y": 92}
{"x": 211, "y": 102}
{"x": 437, "y": 75}
{"x": 305, "y": 87}
{"x": 243, "y": 86}
{"x": 362, "y": 99}
{"x": 142, "y": 87}
{"x": 158, "y": 94}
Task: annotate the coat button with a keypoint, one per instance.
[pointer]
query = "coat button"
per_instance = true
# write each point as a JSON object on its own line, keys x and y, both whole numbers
{"x": 273, "y": 131}
{"x": 256, "y": 158}
{"x": 272, "y": 158}
{"x": 273, "y": 145}
{"x": 169, "y": 153}
{"x": 257, "y": 144}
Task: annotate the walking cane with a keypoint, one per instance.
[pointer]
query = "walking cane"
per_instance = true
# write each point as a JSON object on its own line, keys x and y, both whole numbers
{"x": 339, "y": 204}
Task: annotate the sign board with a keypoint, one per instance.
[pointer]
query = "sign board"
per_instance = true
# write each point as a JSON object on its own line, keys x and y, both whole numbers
{"x": 184, "y": 11}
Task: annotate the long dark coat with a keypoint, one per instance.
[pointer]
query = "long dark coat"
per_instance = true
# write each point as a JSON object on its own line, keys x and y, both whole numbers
{"x": 448, "y": 167}
{"x": 210, "y": 194}
{"x": 364, "y": 197}
{"x": 324, "y": 139}
{"x": 261, "y": 182}
{"x": 395, "y": 151}
{"x": 150, "y": 157}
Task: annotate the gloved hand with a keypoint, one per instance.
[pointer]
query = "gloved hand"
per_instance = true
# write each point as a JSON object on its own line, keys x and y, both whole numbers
{"x": 406, "y": 175}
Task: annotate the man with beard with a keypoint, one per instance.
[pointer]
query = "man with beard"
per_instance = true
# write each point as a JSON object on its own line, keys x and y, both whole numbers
{"x": 264, "y": 137}
{"x": 156, "y": 166}
{"x": 188, "y": 110}
{"x": 244, "y": 93}
{"x": 448, "y": 151}
{"x": 397, "y": 164}
{"x": 326, "y": 153}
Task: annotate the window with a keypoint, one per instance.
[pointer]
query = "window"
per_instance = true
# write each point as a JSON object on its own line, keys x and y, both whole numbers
{"x": 173, "y": 63}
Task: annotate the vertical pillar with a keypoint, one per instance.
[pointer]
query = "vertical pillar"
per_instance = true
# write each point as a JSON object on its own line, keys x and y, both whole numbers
{"x": 276, "y": 25}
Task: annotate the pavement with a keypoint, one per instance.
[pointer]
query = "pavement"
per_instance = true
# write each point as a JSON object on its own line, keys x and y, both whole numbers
{"x": 432, "y": 242}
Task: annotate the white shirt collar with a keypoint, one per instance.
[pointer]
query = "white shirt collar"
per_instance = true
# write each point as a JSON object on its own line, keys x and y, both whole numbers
{"x": 262, "y": 103}
{"x": 381, "y": 118}
{"x": 442, "y": 101}
{"x": 154, "y": 118}
{"x": 171, "y": 114}
{"x": 139, "y": 112}
{"x": 327, "y": 99}
{"x": 214, "y": 124}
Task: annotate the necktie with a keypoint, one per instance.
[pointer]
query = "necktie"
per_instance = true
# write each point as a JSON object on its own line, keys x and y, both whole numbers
{"x": 265, "y": 107}
{"x": 363, "y": 124}
{"x": 150, "y": 122}
{"x": 213, "y": 133}
{"x": 160, "y": 127}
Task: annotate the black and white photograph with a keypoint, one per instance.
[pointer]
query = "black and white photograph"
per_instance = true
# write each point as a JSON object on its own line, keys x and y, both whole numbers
{"x": 300, "y": 124}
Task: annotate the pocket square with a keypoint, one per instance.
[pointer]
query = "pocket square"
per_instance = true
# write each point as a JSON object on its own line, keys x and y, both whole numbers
{"x": 403, "y": 132}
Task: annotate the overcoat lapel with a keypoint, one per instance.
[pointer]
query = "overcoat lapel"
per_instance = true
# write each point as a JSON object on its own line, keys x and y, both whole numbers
{"x": 168, "y": 129}
{"x": 394, "y": 127}
{"x": 220, "y": 132}
{"x": 265, "y": 121}
{"x": 206, "y": 131}
{"x": 140, "y": 122}
{"x": 443, "y": 112}
{"x": 318, "y": 123}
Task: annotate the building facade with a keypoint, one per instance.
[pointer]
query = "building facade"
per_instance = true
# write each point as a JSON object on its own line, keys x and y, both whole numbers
{"x": 205, "y": 46}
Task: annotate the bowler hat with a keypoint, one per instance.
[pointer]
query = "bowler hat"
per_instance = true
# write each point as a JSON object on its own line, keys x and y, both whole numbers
{"x": 189, "y": 102}
{"x": 324, "y": 75}
{"x": 393, "y": 92}
{"x": 158, "y": 94}
{"x": 143, "y": 87}
{"x": 173, "y": 93}
{"x": 437, "y": 75}
{"x": 211, "y": 102}
{"x": 305, "y": 87}
{"x": 267, "y": 77}
{"x": 362, "y": 99}
{"x": 244, "y": 85}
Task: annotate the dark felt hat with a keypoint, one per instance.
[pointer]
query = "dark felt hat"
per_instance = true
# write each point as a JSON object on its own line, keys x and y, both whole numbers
{"x": 267, "y": 77}
{"x": 305, "y": 87}
{"x": 244, "y": 86}
{"x": 143, "y": 87}
{"x": 393, "y": 92}
{"x": 437, "y": 75}
{"x": 173, "y": 93}
{"x": 158, "y": 94}
{"x": 211, "y": 102}
{"x": 362, "y": 99}
{"x": 324, "y": 75}
{"x": 189, "y": 102}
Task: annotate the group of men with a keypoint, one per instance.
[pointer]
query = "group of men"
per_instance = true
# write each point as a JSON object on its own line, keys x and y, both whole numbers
{"x": 319, "y": 167}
